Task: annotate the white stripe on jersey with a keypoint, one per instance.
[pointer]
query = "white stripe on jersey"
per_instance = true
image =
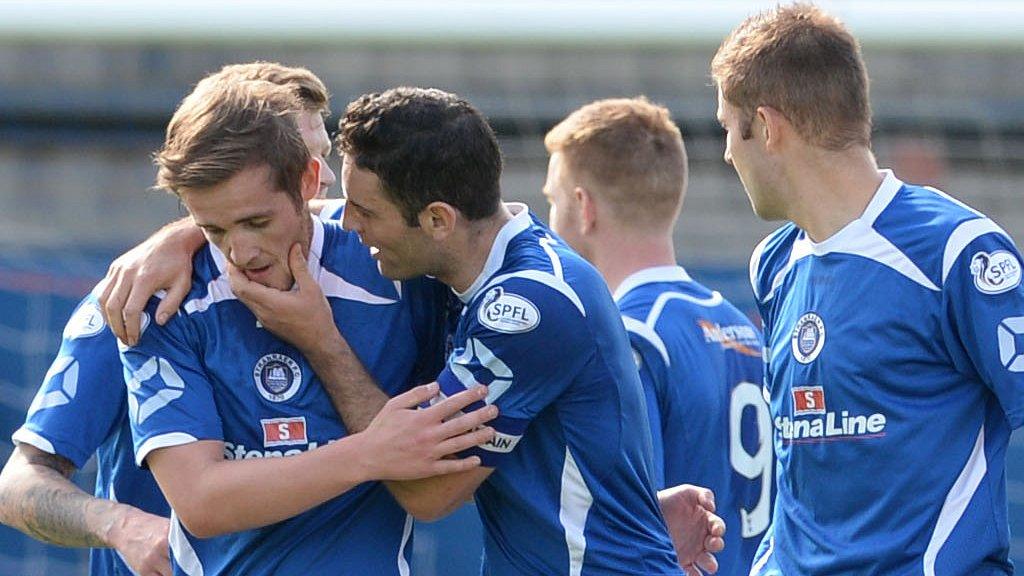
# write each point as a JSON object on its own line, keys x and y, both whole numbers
{"x": 162, "y": 441}
{"x": 181, "y": 549}
{"x": 755, "y": 264}
{"x": 549, "y": 280}
{"x": 647, "y": 333}
{"x": 403, "y": 564}
{"x": 68, "y": 388}
{"x": 556, "y": 262}
{"x": 800, "y": 249}
{"x": 957, "y": 499}
{"x": 217, "y": 290}
{"x": 963, "y": 235}
{"x": 575, "y": 501}
{"x": 883, "y": 197}
{"x": 335, "y": 286}
{"x": 760, "y": 564}
{"x": 710, "y": 302}
{"x": 25, "y": 436}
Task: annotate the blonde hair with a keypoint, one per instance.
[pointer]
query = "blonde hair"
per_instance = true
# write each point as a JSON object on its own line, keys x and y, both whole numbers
{"x": 308, "y": 87}
{"x": 222, "y": 128}
{"x": 804, "y": 63}
{"x": 629, "y": 153}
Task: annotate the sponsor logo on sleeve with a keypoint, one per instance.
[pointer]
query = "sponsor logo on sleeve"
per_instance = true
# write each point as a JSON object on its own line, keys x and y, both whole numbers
{"x": 284, "y": 431}
{"x": 995, "y": 273}
{"x": 277, "y": 377}
{"x": 86, "y": 321}
{"x": 506, "y": 312}
{"x": 808, "y": 338}
{"x": 1007, "y": 333}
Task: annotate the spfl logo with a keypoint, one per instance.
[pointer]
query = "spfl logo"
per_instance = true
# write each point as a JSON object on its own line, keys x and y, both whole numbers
{"x": 508, "y": 313}
{"x": 995, "y": 273}
{"x": 808, "y": 338}
{"x": 277, "y": 377}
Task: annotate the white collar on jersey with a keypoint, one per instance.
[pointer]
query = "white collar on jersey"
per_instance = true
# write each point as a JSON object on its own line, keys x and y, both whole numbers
{"x": 850, "y": 233}
{"x": 316, "y": 247}
{"x": 520, "y": 222}
{"x": 651, "y": 276}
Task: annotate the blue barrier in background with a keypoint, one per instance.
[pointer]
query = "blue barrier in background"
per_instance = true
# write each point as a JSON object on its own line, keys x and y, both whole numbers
{"x": 38, "y": 292}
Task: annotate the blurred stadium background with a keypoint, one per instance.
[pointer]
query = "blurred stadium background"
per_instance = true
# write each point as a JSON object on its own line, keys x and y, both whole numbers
{"x": 87, "y": 87}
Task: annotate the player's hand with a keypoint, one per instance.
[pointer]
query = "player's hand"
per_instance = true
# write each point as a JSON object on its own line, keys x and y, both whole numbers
{"x": 301, "y": 316}
{"x": 697, "y": 533}
{"x": 141, "y": 538}
{"x": 162, "y": 262}
{"x": 411, "y": 442}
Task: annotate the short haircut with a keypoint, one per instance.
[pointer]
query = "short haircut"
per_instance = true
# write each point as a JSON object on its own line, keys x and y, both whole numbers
{"x": 628, "y": 152}
{"x": 425, "y": 145}
{"x": 222, "y": 128}
{"x": 308, "y": 87}
{"x": 804, "y": 63}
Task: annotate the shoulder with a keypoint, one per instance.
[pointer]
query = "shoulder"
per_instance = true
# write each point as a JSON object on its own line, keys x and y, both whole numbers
{"x": 348, "y": 271}
{"x": 770, "y": 260}
{"x": 933, "y": 229}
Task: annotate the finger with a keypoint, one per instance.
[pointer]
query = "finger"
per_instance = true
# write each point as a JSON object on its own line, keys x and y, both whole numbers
{"x": 132, "y": 314}
{"x": 465, "y": 441}
{"x": 414, "y": 397}
{"x": 454, "y": 466}
{"x": 707, "y": 563}
{"x": 107, "y": 285}
{"x": 714, "y": 543}
{"x": 691, "y": 571}
{"x": 470, "y": 421}
{"x": 300, "y": 271}
{"x": 115, "y": 304}
{"x": 173, "y": 299}
{"x": 454, "y": 404}
{"x": 246, "y": 290}
{"x": 716, "y": 525}
{"x": 707, "y": 499}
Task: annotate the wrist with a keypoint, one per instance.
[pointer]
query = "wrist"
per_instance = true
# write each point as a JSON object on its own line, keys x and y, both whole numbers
{"x": 357, "y": 459}
{"x": 115, "y": 530}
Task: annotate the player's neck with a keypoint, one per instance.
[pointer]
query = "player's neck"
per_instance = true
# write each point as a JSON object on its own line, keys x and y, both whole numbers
{"x": 832, "y": 189}
{"x": 619, "y": 256}
{"x": 472, "y": 250}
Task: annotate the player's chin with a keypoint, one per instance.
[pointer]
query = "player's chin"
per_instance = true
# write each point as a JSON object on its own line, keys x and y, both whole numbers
{"x": 396, "y": 271}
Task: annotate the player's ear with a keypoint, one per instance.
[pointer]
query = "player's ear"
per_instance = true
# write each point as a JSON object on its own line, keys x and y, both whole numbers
{"x": 438, "y": 219}
{"x": 588, "y": 209}
{"x": 310, "y": 180}
{"x": 773, "y": 126}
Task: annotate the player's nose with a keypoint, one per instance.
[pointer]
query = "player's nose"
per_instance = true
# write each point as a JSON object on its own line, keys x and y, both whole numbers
{"x": 327, "y": 176}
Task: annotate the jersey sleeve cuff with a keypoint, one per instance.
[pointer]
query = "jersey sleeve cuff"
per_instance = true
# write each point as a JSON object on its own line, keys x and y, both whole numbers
{"x": 55, "y": 446}
{"x": 161, "y": 441}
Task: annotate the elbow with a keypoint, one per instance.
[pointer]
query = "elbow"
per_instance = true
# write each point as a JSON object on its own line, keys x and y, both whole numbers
{"x": 202, "y": 521}
{"x": 429, "y": 510}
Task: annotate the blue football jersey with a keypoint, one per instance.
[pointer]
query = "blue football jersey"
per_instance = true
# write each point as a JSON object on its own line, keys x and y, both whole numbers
{"x": 896, "y": 374}
{"x": 572, "y": 492}
{"x": 81, "y": 409}
{"x": 212, "y": 373}
{"x": 700, "y": 361}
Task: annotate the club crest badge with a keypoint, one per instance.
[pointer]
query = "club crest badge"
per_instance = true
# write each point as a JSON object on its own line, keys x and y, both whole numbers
{"x": 808, "y": 338}
{"x": 277, "y": 377}
{"x": 995, "y": 273}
